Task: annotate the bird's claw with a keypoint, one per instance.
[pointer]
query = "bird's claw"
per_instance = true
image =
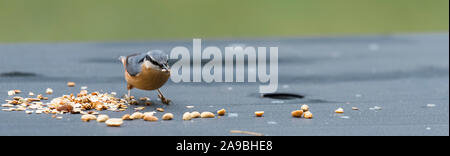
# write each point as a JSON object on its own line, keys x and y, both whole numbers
{"x": 164, "y": 100}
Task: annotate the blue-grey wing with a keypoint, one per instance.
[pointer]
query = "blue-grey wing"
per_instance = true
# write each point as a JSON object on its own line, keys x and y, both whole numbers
{"x": 134, "y": 62}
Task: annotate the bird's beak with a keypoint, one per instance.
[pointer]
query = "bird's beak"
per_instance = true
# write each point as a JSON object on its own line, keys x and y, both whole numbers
{"x": 165, "y": 68}
{"x": 122, "y": 59}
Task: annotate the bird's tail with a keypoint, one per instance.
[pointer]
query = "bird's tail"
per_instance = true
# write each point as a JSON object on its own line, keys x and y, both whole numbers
{"x": 122, "y": 58}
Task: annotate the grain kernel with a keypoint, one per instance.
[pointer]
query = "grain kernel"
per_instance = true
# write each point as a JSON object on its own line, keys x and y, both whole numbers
{"x": 114, "y": 122}
{"x": 297, "y": 113}
{"x": 71, "y": 84}
{"x": 139, "y": 108}
{"x": 49, "y": 91}
{"x": 7, "y": 105}
{"x": 102, "y": 118}
{"x": 221, "y": 112}
{"x": 308, "y": 115}
{"x": 136, "y": 115}
{"x": 11, "y": 93}
{"x": 160, "y": 109}
{"x": 88, "y": 117}
{"x": 305, "y": 108}
{"x": 207, "y": 115}
{"x": 168, "y": 116}
{"x": 187, "y": 116}
{"x": 195, "y": 114}
{"x": 126, "y": 117}
{"x": 339, "y": 110}
{"x": 259, "y": 113}
{"x": 150, "y": 118}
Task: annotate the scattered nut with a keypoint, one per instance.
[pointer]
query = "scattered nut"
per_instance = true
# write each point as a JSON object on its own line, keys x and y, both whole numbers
{"x": 102, "y": 118}
{"x": 195, "y": 114}
{"x": 308, "y": 115}
{"x": 136, "y": 115}
{"x": 59, "y": 117}
{"x": 168, "y": 116}
{"x": 355, "y": 108}
{"x": 139, "y": 108}
{"x": 17, "y": 91}
{"x": 221, "y": 112}
{"x": 114, "y": 122}
{"x": 207, "y": 115}
{"x": 160, "y": 109}
{"x": 126, "y": 117}
{"x": 305, "y": 108}
{"x": 71, "y": 84}
{"x": 49, "y": 91}
{"x": 88, "y": 117}
{"x": 30, "y": 94}
{"x": 297, "y": 113}
{"x": 187, "y": 116}
{"x": 150, "y": 118}
{"x": 11, "y": 93}
{"x": 339, "y": 110}
{"x": 259, "y": 113}
{"x": 189, "y": 107}
{"x": 7, "y": 105}
{"x": 29, "y": 112}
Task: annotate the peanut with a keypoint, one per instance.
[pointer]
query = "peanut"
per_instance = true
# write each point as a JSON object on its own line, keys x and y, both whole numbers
{"x": 88, "y": 117}
{"x": 114, "y": 122}
{"x": 308, "y": 115}
{"x": 126, "y": 117}
{"x": 102, "y": 118}
{"x": 160, "y": 109}
{"x": 305, "y": 108}
{"x": 187, "y": 116}
{"x": 168, "y": 116}
{"x": 11, "y": 93}
{"x": 49, "y": 91}
{"x": 136, "y": 115}
{"x": 207, "y": 115}
{"x": 195, "y": 114}
{"x": 297, "y": 113}
{"x": 259, "y": 113}
{"x": 150, "y": 118}
{"x": 71, "y": 84}
{"x": 221, "y": 112}
{"x": 339, "y": 110}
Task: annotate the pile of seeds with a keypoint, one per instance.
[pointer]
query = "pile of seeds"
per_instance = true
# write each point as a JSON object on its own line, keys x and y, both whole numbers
{"x": 303, "y": 111}
{"x": 87, "y": 104}
{"x": 74, "y": 104}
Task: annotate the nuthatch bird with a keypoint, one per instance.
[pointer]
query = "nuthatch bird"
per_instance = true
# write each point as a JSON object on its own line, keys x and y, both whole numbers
{"x": 147, "y": 71}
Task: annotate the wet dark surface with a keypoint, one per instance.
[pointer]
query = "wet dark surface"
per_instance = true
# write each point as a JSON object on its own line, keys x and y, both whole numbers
{"x": 399, "y": 73}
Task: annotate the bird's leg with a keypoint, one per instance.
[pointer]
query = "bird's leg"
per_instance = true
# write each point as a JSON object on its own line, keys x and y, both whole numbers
{"x": 163, "y": 99}
{"x": 129, "y": 87}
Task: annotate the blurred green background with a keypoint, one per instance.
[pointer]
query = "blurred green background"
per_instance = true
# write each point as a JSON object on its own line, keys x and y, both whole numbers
{"x": 122, "y": 20}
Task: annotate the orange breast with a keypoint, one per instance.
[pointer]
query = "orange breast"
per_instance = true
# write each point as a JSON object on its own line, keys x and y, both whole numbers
{"x": 148, "y": 79}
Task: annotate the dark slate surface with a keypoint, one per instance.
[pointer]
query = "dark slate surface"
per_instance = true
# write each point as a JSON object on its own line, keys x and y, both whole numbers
{"x": 400, "y": 73}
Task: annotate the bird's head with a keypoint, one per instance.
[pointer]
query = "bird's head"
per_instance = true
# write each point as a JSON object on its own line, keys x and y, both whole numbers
{"x": 157, "y": 60}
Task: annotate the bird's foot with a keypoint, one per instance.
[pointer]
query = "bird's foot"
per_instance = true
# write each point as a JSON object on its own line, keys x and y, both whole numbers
{"x": 164, "y": 99}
